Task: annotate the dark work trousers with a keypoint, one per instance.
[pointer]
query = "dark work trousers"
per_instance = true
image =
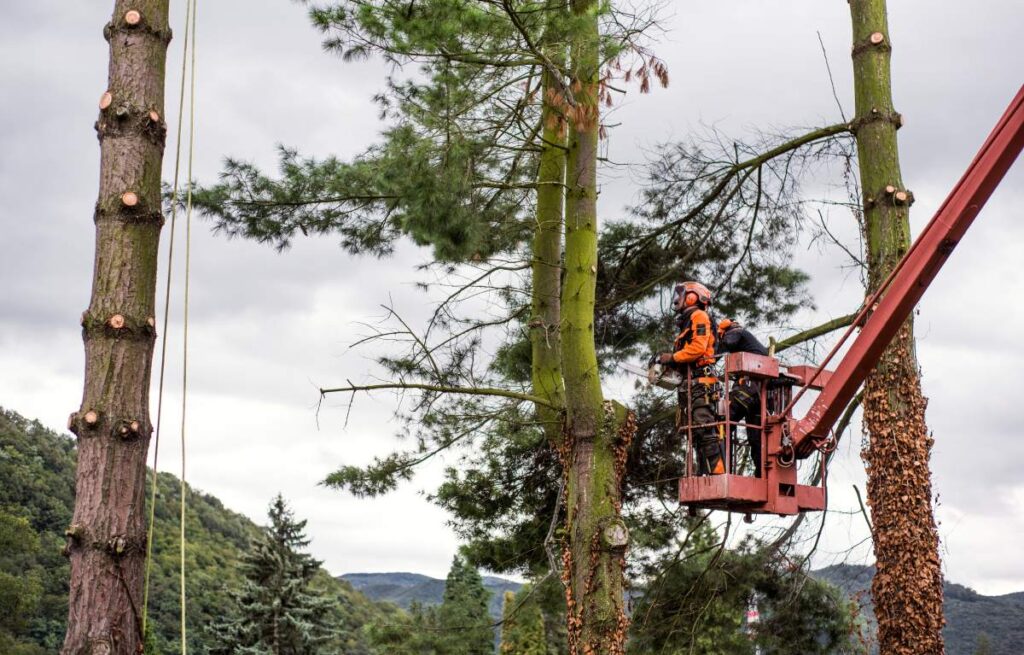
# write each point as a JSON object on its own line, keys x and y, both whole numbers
{"x": 745, "y": 405}
{"x": 698, "y": 408}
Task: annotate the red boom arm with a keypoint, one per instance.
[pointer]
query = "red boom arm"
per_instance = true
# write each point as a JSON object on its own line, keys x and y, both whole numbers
{"x": 911, "y": 277}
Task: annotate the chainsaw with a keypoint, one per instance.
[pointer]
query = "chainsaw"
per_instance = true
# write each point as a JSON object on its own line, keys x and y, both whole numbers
{"x": 657, "y": 374}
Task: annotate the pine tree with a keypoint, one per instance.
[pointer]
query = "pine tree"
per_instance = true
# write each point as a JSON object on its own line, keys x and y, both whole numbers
{"x": 492, "y": 160}
{"x": 908, "y": 582}
{"x": 279, "y": 611}
{"x": 522, "y": 625}
{"x": 463, "y": 616}
{"x": 113, "y": 423}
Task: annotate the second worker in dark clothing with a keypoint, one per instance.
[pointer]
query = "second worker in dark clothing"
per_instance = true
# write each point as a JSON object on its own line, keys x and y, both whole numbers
{"x": 744, "y": 396}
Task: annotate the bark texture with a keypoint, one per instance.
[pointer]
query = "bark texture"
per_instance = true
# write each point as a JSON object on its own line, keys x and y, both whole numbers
{"x": 545, "y": 337}
{"x": 106, "y": 541}
{"x": 907, "y": 588}
{"x": 596, "y": 434}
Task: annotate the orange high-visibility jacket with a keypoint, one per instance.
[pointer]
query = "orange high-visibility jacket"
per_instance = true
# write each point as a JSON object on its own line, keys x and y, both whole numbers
{"x": 696, "y": 342}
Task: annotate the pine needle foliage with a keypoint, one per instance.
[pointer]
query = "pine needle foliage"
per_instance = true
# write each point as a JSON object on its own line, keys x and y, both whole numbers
{"x": 697, "y": 598}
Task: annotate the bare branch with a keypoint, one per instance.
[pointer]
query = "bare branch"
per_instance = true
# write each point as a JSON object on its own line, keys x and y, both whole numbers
{"x": 472, "y": 391}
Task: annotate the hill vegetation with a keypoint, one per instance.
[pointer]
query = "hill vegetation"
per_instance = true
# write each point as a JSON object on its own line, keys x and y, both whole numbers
{"x": 971, "y": 618}
{"x": 36, "y": 498}
{"x": 37, "y": 469}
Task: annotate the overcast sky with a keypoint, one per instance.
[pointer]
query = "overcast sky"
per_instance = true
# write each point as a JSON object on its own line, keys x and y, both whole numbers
{"x": 268, "y": 329}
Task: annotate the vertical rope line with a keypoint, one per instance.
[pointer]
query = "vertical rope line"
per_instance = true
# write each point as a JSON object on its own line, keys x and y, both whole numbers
{"x": 188, "y": 263}
{"x": 164, "y": 331}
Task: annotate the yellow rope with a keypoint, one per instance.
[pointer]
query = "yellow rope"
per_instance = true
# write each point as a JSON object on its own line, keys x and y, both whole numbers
{"x": 188, "y": 261}
{"x": 167, "y": 304}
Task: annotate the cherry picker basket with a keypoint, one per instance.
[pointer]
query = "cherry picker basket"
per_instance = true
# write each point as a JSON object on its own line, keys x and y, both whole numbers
{"x": 778, "y": 490}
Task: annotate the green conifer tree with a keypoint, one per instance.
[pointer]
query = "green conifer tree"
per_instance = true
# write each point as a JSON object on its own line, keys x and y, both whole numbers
{"x": 522, "y": 625}
{"x": 463, "y": 616}
{"x": 984, "y": 645}
{"x": 279, "y": 611}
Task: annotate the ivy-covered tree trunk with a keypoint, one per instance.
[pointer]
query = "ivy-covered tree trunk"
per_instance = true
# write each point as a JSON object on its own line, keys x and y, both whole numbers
{"x": 593, "y": 453}
{"x": 907, "y": 588}
{"x": 106, "y": 541}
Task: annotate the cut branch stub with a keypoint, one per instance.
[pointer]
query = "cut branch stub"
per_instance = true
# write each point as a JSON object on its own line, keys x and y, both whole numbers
{"x": 132, "y": 17}
{"x": 117, "y": 545}
{"x": 100, "y": 646}
{"x": 615, "y": 535}
{"x": 106, "y": 99}
{"x": 116, "y": 321}
{"x": 71, "y": 420}
{"x": 129, "y": 429}
{"x": 877, "y": 38}
{"x": 91, "y": 418}
{"x": 154, "y": 116}
{"x": 129, "y": 199}
{"x": 151, "y": 322}
{"x": 903, "y": 197}
{"x": 890, "y": 189}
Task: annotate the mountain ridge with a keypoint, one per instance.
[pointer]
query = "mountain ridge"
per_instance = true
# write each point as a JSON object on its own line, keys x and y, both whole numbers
{"x": 403, "y": 588}
{"x": 969, "y": 615}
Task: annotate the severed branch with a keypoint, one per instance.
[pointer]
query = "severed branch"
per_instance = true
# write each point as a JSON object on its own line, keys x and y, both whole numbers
{"x": 812, "y": 333}
{"x": 472, "y": 391}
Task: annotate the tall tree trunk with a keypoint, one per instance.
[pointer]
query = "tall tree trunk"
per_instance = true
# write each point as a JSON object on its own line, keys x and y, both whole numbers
{"x": 593, "y": 453}
{"x": 545, "y": 340}
{"x": 106, "y": 541}
{"x": 907, "y": 588}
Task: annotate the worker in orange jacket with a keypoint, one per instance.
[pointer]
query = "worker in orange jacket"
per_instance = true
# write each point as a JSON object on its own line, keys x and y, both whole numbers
{"x": 693, "y": 355}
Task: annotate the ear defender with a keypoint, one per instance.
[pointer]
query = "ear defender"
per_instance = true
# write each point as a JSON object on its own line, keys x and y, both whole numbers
{"x": 690, "y": 299}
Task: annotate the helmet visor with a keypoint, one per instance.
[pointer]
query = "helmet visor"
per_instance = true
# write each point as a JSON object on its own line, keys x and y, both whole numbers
{"x": 677, "y": 296}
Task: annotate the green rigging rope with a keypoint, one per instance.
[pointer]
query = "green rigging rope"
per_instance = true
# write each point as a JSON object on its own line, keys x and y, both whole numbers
{"x": 188, "y": 261}
{"x": 167, "y": 303}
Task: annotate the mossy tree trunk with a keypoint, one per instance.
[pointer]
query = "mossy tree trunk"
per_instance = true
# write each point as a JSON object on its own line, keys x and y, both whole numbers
{"x": 907, "y": 588}
{"x": 596, "y": 434}
{"x": 545, "y": 338}
{"x": 106, "y": 541}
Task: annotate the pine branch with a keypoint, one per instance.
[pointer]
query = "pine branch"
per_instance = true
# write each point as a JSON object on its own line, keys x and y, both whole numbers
{"x": 472, "y": 391}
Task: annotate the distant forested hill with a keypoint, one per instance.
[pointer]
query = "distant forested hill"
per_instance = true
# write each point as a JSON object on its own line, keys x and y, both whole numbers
{"x": 970, "y": 616}
{"x": 403, "y": 589}
{"x": 36, "y": 501}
